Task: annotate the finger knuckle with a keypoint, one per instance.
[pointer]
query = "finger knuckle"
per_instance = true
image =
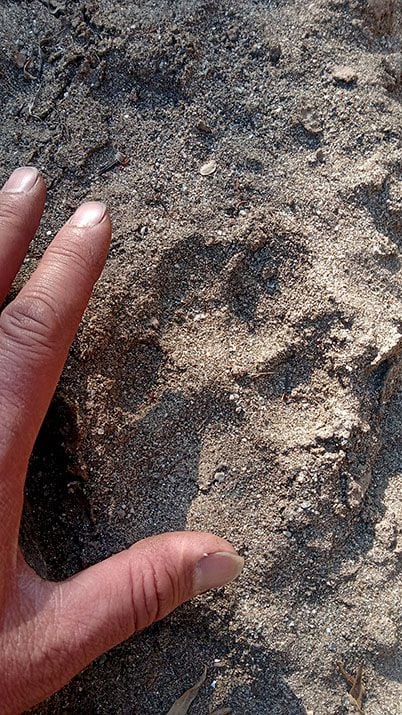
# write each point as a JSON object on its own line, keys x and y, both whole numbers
{"x": 11, "y": 215}
{"x": 154, "y": 593}
{"x": 32, "y": 323}
{"x": 79, "y": 257}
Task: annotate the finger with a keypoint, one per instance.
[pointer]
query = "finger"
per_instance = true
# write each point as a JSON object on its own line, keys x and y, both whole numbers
{"x": 36, "y": 330}
{"x": 100, "y": 607}
{"x": 144, "y": 583}
{"x": 22, "y": 199}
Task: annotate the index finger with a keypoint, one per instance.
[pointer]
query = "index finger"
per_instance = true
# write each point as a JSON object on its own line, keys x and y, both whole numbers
{"x": 36, "y": 331}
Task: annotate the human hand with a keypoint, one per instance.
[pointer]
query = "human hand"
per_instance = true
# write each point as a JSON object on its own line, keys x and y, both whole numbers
{"x": 50, "y": 631}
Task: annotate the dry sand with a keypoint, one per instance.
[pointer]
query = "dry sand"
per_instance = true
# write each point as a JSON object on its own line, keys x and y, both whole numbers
{"x": 239, "y": 367}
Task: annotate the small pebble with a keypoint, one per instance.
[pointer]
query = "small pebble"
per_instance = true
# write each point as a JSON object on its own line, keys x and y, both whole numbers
{"x": 344, "y": 73}
{"x": 204, "y": 127}
{"x": 275, "y": 54}
{"x": 219, "y": 476}
{"x": 208, "y": 168}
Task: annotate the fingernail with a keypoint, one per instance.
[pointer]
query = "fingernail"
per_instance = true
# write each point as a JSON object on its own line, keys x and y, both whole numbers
{"x": 21, "y": 180}
{"x": 216, "y": 570}
{"x": 89, "y": 214}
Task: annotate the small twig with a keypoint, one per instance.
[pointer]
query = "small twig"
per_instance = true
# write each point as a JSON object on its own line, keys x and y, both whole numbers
{"x": 257, "y": 375}
{"x": 355, "y": 682}
{"x": 53, "y": 9}
{"x": 27, "y": 74}
{"x": 32, "y": 104}
{"x": 119, "y": 159}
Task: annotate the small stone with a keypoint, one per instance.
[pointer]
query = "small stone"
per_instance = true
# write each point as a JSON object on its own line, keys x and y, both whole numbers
{"x": 324, "y": 432}
{"x": 311, "y": 121}
{"x": 20, "y": 59}
{"x": 219, "y": 477}
{"x": 121, "y": 158}
{"x": 275, "y": 54}
{"x": 203, "y": 127}
{"x": 344, "y": 73}
{"x": 208, "y": 168}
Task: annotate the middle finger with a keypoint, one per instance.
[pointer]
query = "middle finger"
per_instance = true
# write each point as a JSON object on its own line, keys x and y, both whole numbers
{"x": 22, "y": 199}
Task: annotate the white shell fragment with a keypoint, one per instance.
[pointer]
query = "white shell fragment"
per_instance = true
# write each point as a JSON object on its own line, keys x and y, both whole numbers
{"x": 208, "y": 168}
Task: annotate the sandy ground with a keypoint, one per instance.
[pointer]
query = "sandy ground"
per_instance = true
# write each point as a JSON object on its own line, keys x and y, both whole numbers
{"x": 239, "y": 367}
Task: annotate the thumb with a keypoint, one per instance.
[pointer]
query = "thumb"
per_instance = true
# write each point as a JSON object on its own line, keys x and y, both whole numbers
{"x": 106, "y": 603}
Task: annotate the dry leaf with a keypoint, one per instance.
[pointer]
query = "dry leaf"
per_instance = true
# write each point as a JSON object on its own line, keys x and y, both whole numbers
{"x": 222, "y": 711}
{"x": 355, "y": 682}
{"x": 181, "y": 706}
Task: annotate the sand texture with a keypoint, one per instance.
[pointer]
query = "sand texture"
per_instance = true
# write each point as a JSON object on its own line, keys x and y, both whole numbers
{"x": 239, "y": 367}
